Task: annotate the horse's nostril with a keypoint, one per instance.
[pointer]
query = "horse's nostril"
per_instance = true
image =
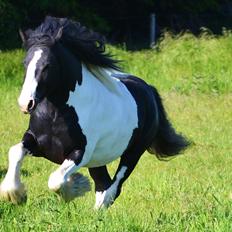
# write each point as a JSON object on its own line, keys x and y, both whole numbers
{"x": 31, "y": 104}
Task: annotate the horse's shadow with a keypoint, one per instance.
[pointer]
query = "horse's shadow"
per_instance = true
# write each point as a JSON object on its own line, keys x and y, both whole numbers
{"x": 23, "y": 172}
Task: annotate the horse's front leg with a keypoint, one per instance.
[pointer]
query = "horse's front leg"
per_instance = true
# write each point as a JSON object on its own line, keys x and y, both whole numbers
{"x": 11, "y": 188}
{"x": 65, "y": 181}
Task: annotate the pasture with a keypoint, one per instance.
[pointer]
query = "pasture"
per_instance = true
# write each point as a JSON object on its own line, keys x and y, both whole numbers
{"x": 192, "y": 192}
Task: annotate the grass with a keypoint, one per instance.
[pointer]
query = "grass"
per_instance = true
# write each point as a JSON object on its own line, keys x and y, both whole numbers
{"x": 185, "y": 63}
{"x": 189, "y": 193}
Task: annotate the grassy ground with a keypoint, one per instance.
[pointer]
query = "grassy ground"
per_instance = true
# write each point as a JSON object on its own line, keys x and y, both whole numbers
{"x": 189, "y": 193}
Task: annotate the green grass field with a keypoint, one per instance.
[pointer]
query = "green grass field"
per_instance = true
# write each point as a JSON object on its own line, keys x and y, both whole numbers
{"x": 192, "y": 192}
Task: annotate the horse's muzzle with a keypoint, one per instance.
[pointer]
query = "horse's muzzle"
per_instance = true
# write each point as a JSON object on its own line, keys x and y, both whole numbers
{"x": 27, "y": 106}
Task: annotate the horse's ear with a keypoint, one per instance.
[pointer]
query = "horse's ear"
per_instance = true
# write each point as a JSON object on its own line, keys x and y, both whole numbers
{"x": 59, "y": 34}
{"x": 24, "y": 35}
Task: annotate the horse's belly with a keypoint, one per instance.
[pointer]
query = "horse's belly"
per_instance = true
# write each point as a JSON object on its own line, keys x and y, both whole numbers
{"x": 109, "y": 149}
{"x": 112, "y": 134}
{"x": 97, "y": 161}
{"x": 112, "y": 137}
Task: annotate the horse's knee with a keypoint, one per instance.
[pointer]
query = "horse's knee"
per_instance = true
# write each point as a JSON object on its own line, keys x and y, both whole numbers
{"x": 16, "y": 154}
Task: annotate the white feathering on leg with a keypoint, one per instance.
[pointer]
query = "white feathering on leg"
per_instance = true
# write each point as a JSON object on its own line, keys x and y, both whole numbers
{"x": 106, "y": 198}
{"x": 11, "y": 189}
{"x": 75, "y": 186}
{"x": 66, "y": 183}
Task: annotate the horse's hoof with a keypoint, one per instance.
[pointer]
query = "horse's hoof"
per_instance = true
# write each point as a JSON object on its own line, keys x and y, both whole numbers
{"x": 104, "y": 199}
{"x": 76, "y": 185}
{"x": 15, "y": 195}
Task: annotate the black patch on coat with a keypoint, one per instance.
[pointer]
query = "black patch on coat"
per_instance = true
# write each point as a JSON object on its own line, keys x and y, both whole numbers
{"x": 56, "y": 132}
{"x": 155, "y": 132}
{"x": 70, "y": 66}
{"x": 146, "y": 107}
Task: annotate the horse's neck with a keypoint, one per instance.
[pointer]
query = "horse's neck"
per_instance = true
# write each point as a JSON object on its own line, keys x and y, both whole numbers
{"x": 104, "y": 76}
{"x": 93, "y": 91}
{"x": 97, "y": 82}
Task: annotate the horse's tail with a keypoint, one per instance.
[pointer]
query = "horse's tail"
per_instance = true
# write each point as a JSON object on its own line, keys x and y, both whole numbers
{"x": 166, "y": 142}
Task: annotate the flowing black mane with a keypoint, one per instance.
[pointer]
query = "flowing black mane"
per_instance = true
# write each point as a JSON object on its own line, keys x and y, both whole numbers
{"x": 87, "y": 45}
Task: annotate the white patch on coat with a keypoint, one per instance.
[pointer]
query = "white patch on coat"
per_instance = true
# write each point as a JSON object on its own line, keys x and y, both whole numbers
{"x": 30, "y": 83}
{"x": 106, "y": 198}
{"x": 107, "y": 115}
{"x": 11, "y": 187}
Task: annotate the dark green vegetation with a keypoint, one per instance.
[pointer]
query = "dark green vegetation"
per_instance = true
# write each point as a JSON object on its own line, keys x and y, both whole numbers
{"x": 122, "y": 21}
{"x": 192, "y": 192}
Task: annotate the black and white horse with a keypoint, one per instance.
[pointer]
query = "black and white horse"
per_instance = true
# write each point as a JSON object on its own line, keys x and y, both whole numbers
{"x": 84, "y": 112}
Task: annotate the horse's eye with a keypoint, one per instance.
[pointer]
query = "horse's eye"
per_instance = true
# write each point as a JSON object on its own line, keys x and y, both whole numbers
{"x": 45, "y": 67}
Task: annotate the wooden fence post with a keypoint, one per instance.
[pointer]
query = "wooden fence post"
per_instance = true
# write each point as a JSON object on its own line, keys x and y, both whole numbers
{"x": 152, "y": 29}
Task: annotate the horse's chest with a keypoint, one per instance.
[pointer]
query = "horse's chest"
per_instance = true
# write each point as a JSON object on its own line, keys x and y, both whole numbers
{"x": 57, "y": 135}
{"x": 51, "y": 141}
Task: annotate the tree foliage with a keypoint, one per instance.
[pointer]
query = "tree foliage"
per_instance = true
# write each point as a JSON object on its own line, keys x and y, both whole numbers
{"x": 121, "y": 20}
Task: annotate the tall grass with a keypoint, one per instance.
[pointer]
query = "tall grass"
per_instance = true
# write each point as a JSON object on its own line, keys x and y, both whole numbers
{"x": 184, "y": 63}
{"x": 11, "y": 67}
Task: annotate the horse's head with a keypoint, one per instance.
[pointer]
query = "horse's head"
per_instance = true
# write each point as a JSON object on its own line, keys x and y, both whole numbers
{"x": 41, "y": 77}
{"x": 55, "y": 50}
{"x": 49, "y": 71}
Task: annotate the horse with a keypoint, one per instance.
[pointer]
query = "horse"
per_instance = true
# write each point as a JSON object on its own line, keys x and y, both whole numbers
{"x": 84, "y": 112}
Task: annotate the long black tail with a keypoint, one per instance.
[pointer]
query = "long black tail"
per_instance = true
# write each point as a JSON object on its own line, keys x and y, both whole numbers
{"x": 167, "y": 142}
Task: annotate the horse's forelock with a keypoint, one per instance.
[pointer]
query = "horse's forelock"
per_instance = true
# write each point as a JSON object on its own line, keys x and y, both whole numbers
{"x": 39, "y": 40}
{"x": 87, "y": 45}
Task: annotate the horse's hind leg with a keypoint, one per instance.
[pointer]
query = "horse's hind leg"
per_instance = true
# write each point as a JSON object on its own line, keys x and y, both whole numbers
{"x": 102, "y": 182}
{"x": 127, "y": 164}
{"x": 11, "y": 188}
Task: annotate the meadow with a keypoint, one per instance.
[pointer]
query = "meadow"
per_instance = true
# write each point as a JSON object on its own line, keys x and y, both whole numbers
{"x": 192, "y": 192}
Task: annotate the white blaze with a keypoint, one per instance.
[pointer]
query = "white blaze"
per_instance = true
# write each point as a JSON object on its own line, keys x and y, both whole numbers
{"x": 30, "y": 83}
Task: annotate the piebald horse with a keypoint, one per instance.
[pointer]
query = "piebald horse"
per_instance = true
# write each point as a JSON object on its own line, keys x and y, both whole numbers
{"x": 84, "y": 112}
